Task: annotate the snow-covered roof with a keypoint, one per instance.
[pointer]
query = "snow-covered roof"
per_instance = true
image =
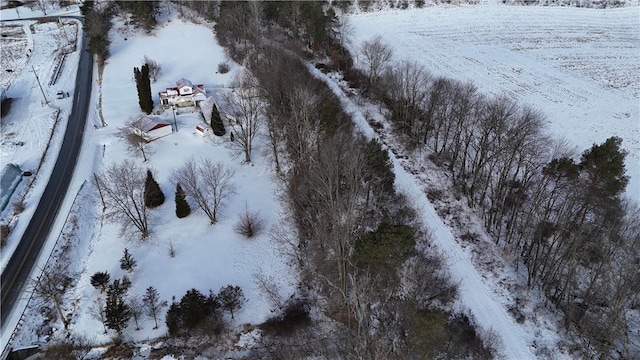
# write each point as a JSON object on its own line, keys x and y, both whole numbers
{"x": 183, "y": 82}
{"x": 150, "y": 123}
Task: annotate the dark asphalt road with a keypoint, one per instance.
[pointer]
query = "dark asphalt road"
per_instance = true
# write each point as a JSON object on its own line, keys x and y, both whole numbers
{"x": 16, "y": 274}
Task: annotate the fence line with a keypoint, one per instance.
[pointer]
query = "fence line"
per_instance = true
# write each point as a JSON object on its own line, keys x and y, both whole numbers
{"x": 8, "y": 348}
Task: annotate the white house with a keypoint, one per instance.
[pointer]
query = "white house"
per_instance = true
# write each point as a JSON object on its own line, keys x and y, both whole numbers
{"x": 183, "y": 94}
{"x": 185, "y": 87}
{"x": 151, "y": 128}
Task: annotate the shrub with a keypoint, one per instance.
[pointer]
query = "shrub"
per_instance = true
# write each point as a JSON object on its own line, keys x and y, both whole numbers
{"x": 250, "y": 223}
{"x": 223, "y": 68}
{"x": 18, "y": 207}
{"x": 294, "y": 316}
{"x": 182, "y": 206}
{"x": 4, "y": 234}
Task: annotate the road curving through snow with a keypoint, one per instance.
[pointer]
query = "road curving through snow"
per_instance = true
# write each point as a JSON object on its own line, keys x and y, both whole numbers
{"x": 474, "y": 295}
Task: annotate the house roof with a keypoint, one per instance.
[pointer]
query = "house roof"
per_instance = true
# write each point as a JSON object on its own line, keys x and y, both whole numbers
{"x": 183, "y": 82}
{"x": 150, "y": 123}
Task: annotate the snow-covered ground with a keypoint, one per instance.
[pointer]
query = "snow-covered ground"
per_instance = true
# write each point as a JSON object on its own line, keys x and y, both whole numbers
{"x": 579, "y": 67}
{"x": 34, "y": 128}
{"x": 206, "y": 256}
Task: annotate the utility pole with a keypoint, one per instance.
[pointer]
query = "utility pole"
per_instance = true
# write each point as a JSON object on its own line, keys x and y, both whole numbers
{"x": 43, "y": 95}
{"x": 173, "y": 107}
{"x": 64, "y": 31}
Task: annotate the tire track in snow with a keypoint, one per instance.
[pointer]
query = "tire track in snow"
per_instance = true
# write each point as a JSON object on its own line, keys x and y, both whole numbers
{"x": 489, "y": 314}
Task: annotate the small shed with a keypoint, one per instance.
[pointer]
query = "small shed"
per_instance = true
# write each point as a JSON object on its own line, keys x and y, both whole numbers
{"x": 203, "y": 129}
{"x": 151, "y": 128}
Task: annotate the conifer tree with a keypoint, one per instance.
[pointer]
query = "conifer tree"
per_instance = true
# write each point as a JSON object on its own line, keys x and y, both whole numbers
{"x": 182, "y": 206}
{"x": 100, "y": 280}
{"x": 153, "y": 195}
{"x": 216, "y": 122}
{"x": 231, "y": 298}
{"x": 117, "y": 312}
{"x": 143, "y": 84}
{"x": 127, "y": 262}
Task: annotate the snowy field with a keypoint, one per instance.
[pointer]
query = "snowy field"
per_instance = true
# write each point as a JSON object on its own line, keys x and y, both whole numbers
{"x": 579, "y": 67}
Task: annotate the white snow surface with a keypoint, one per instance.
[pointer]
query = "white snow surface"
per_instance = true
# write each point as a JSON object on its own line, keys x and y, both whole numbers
{"x": 580, "y": 67}
{"x": 474, "y": 295}
{"x": 206, "y": 256}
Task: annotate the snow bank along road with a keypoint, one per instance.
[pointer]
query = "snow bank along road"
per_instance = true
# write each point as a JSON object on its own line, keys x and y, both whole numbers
{"x": 474, "y": 295}
{"x": 580, "y": 67}
{"x": 16, "y": 273}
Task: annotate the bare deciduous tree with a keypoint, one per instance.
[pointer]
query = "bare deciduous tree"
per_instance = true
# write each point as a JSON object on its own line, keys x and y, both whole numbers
{"x": 208, "y": 183}
{"x": 152, "y": 304}
{"x": 154, "y": 68}
{"x": 131, "y": 134}
{"x": 376, "y": 54}
{"x": 247, "y": 107}
{"x": 97, "y": 310}
{"x": 50, "y": 288}
{"x": 123, "y": 188}
{"x": 137, "y": 309}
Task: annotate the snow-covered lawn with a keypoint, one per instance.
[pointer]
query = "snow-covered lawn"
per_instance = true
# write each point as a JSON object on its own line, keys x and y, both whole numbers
{"x": 206, "y": 256}
{"x": 579, "y": 67}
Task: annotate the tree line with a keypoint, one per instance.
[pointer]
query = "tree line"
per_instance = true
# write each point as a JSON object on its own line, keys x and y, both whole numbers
{"x": 356, "y": 239}
{"x": 562, "y": 212}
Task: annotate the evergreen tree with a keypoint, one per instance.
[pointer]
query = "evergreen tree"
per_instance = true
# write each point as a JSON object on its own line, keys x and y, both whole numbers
{"x": 153, "y": 195}
{"x": 231, "y": 298}
{"x": 127, "y": 262}
{"x": 173, "y": 319}
{"x": 152, "y": 304}
{"x": 182, "y": 206}
{"x": 194, "y": 308}
{"x": 143, "y": 84}
{"x": 216, "y": 122}
{"x": 100, "y": 280}
{"x": 117, "y": 312}
{"x": 604, "y": 166}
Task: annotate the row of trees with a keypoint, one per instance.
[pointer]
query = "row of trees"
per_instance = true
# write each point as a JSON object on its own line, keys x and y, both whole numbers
{"x": 128, "y": 196}
{"x": 340, "y": 186}
{"x": 565, "y": 217}
{"x": 197, "y": 311}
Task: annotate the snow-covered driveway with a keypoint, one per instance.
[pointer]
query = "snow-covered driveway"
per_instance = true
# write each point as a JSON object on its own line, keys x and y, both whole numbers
{"x": 488, "y": 311}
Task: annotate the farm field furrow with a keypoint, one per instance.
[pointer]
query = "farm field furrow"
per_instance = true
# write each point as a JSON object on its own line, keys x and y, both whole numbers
{"x": 578, "y": 67}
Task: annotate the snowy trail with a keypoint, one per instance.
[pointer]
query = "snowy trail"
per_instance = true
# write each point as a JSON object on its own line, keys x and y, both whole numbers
{"x": 488, "y": 312}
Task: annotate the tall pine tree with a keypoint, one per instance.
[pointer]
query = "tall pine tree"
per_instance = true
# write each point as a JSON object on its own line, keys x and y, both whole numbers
{"x": 143, "y": 84}
{"x": 182, "y": 206}
{"x": 117, "y": 312}
{"x": 153, "y": 195}
{"x": 216, "y": 122}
